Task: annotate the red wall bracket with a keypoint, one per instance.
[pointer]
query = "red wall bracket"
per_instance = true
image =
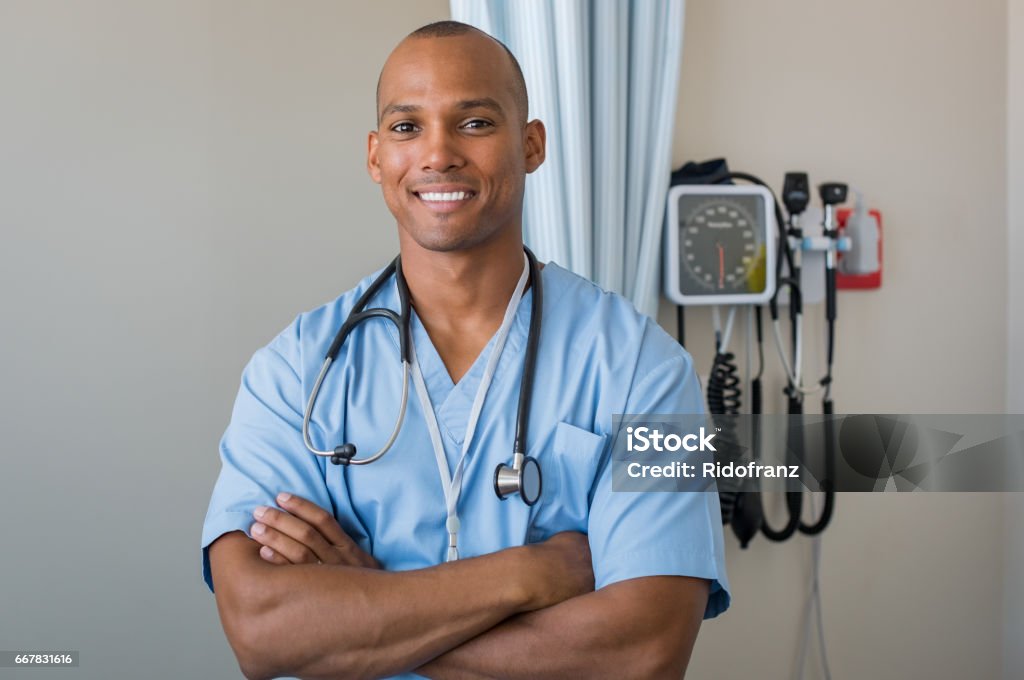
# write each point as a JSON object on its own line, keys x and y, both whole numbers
{"x": 860, "y": 281}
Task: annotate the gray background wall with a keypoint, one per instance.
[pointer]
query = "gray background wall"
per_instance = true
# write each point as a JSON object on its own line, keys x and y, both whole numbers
{"x": 1013, "y": 606}
{"x": 180, "y": 179}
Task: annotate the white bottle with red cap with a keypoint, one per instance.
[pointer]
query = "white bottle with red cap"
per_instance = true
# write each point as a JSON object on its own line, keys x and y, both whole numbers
{"x": 862, "y": 230}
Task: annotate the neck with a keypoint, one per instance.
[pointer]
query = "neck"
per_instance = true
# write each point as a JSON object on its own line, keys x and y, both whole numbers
{"x": 463, "y": 290}
{"x": 461, "y": 296}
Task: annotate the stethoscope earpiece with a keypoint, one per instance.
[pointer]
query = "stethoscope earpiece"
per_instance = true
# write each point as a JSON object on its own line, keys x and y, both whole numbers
{"x": 343, "y": 454}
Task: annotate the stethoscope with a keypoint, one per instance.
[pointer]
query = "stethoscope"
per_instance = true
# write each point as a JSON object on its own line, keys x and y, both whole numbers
{"x": 523, "y": 477}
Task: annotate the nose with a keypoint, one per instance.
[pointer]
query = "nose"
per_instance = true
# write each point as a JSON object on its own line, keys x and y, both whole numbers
{"x": 441, "y": 152}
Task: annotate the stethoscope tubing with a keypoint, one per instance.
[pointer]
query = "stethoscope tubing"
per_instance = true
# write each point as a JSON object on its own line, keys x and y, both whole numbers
{"x": 530, "y": 360}
{"x": 394, "y": 433}
{"x": 401, "y": 322}
{"x": 358, "y": 315}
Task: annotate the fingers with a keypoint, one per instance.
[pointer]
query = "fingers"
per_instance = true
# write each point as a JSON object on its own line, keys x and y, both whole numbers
{"x": 315, "y": 516}
{"x": 304, "y": 533}
{"x": 288, "y": 538}
{"x": 267, "y": 553}
{"x": 345, "y": 550}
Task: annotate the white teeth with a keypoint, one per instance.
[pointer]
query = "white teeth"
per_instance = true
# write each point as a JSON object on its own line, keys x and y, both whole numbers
{"x": 444, "y": 197}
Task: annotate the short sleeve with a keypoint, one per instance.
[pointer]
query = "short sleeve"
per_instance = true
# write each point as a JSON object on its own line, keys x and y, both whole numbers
{"x": 262, "y": 452}
{"x": 636, "y": 534}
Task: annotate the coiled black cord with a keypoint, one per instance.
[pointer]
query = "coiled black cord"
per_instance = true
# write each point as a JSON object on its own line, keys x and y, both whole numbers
{"x": 724, "y": 385}
{"x": 723, "y": 395}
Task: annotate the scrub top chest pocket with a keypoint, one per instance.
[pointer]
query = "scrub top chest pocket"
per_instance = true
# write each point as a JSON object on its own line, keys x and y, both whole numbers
{"x": 570, "y": 465}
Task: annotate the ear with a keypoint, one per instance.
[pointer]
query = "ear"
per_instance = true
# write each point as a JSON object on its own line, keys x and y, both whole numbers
{"x": 536, "y": 145}
{"x": 372, "y": 159}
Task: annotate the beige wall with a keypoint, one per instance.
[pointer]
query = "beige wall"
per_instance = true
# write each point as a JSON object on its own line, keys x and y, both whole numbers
{"x": 906, "y": 100}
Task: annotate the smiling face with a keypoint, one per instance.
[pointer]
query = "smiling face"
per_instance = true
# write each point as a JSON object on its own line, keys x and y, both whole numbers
{"x": 452, "y": 148}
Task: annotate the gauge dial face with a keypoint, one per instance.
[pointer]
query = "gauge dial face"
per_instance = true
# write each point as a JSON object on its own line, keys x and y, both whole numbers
{"x": 721, "y": 245}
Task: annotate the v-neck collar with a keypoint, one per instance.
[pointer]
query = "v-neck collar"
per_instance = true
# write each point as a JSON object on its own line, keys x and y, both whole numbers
{"x": 452, "y": 402}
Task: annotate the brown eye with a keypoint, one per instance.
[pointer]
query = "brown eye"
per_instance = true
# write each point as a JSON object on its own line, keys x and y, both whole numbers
{"x": 403, "y": 128}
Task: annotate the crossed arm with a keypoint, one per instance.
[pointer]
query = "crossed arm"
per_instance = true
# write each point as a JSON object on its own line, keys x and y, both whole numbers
{"x": 308, "y": 602}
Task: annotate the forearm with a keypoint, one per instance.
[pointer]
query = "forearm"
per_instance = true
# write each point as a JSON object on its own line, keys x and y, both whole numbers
{"x": 637, "y": 629}
{"x": 566, "y": 640}
{"x": 321, "y": 621}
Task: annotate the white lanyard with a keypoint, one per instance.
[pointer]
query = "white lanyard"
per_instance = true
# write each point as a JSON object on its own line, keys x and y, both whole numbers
{"x": 452, "y": 485}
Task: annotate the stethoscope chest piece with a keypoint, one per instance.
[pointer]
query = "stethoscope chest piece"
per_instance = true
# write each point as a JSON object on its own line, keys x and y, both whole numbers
{"x": 523, "y": 477}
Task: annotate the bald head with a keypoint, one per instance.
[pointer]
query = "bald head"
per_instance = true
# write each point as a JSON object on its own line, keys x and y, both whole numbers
{"x": 512, "y": 75}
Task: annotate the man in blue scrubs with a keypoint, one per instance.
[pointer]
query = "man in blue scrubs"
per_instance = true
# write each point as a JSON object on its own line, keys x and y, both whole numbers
{"x": 333, "y": 571}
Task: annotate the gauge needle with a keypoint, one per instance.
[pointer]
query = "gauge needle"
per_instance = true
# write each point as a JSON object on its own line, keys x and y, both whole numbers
{"x": 721, "y": 265}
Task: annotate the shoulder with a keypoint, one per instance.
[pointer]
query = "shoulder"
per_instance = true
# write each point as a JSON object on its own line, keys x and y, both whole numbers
{"x": 606, "y": 325}
{"x": 305, "y": 340}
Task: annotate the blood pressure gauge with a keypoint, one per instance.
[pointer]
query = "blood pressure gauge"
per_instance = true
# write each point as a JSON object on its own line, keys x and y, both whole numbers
{"x": 720, "y": 245}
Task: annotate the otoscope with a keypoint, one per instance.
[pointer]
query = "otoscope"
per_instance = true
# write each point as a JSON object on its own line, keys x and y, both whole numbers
{"x": 832, "y": 194}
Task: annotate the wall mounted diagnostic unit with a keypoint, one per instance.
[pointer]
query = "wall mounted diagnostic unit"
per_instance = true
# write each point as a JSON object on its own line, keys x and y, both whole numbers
{"x": 720, "y": 245}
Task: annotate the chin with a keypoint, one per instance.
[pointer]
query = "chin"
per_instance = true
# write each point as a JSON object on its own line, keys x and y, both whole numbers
{"x": 448, "y": 240}
{"x": 446, "y": 243}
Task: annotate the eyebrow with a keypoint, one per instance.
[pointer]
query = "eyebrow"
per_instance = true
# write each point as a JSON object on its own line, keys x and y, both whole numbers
{"x": 399, "y": 108}
{"x": 464, "y": 105}
{"x": 483, "y": 103}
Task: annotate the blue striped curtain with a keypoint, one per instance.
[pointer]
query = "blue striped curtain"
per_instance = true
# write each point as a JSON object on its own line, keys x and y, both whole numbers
{"x": 603, "y": 76}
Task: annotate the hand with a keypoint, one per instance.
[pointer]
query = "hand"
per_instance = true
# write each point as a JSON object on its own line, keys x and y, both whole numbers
{"x": 305, "y": 533}
{"x": 562, "y": 568}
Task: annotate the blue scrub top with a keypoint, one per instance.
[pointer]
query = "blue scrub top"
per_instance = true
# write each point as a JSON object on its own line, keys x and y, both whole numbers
{"x": 597, "y": 357}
